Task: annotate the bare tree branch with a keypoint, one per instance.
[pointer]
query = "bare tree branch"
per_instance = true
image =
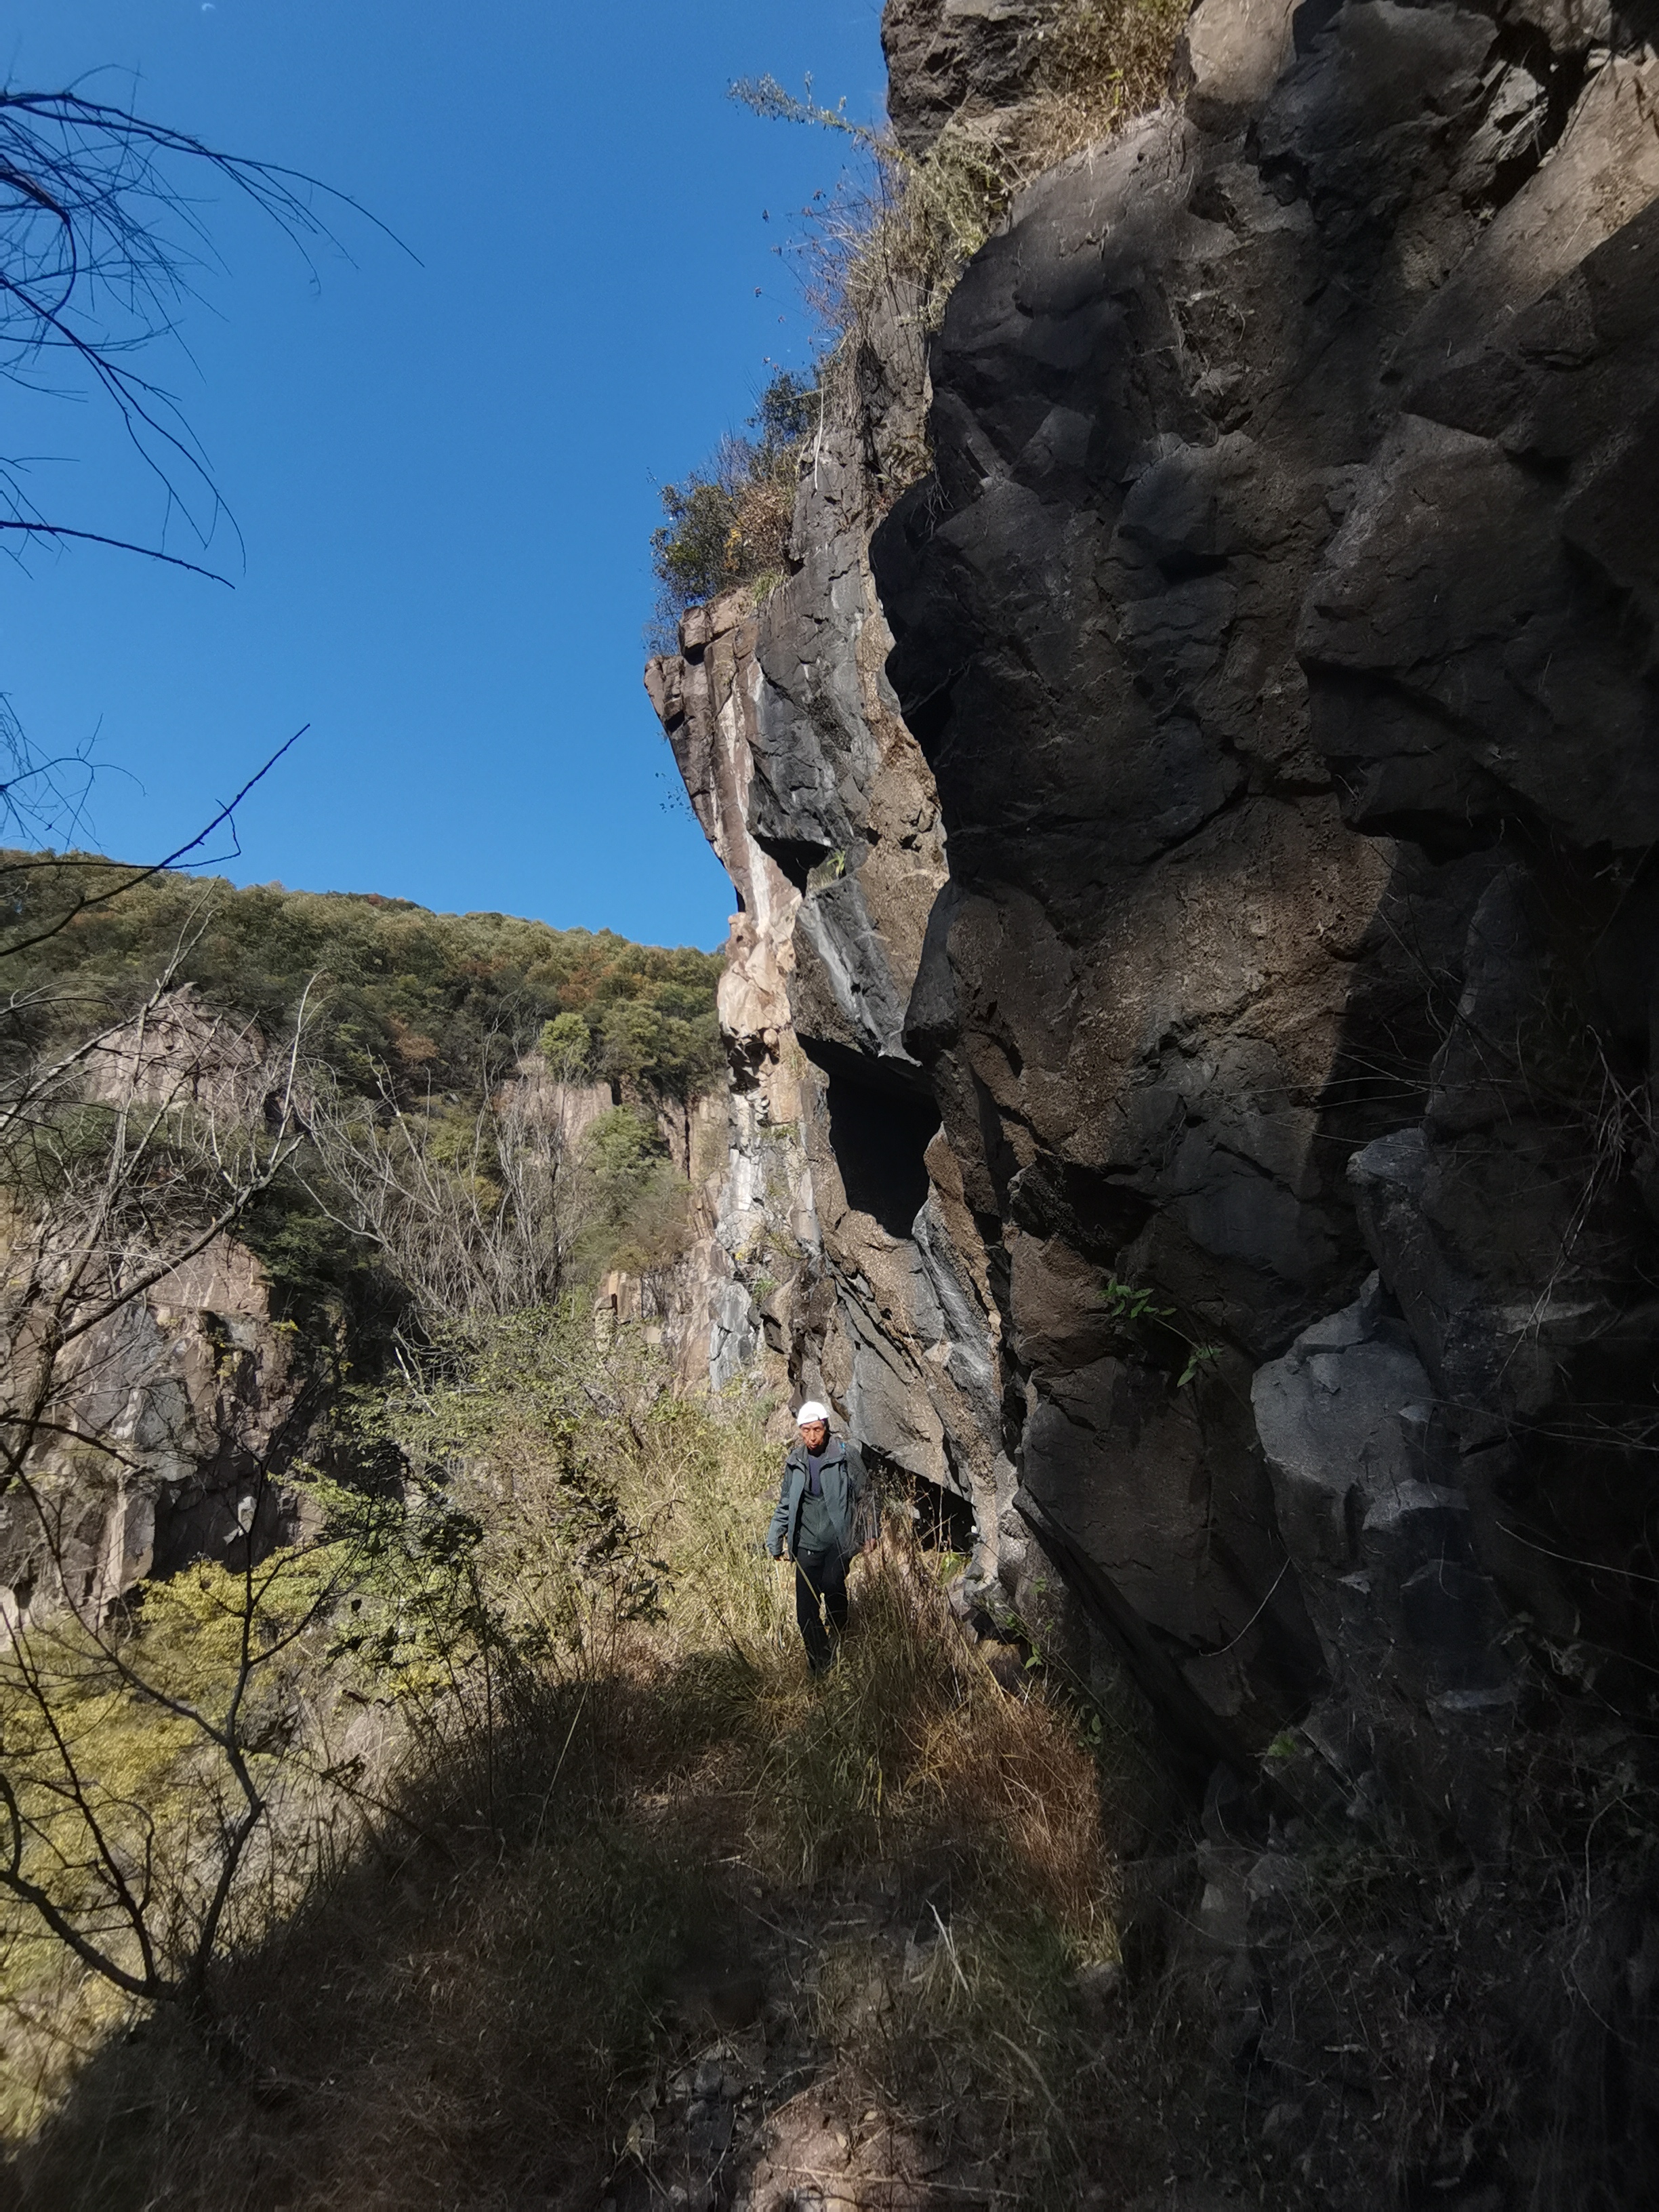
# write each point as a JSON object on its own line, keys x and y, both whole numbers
{"x": 120, "y": 545}
{"x": 487, "y": 1225}
{"x": 143, "y": 875}
{"x": 98, "y": 248}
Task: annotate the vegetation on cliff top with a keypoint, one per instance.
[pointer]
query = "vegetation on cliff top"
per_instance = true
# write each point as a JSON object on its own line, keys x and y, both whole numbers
{"x": 888, "y": 243}
{"x": 728, "y": 523}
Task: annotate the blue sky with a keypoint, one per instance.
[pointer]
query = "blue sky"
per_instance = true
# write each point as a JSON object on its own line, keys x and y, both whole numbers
{"x": 444, "y": 473}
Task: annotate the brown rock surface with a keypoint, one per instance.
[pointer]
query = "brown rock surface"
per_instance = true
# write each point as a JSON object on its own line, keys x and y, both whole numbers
{"x": 186, "y": 1391}
{"x": 170, "y": 1413}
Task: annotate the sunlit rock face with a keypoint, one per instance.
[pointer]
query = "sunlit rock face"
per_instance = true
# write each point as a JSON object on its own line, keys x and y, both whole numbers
{"x": 176, "y": 1411}
{"x": 1278, "y": 625}
{"x": 844, "y": 1264}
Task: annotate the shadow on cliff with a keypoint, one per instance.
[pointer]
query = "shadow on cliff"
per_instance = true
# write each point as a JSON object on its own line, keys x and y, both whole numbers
{"x": 1502, "y": 1029}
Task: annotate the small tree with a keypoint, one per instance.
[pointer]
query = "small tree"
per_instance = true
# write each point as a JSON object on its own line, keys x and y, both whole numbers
{"x": 471, "y": 1213}
{"x": 120, "y": 1165}
{"x": 145, "y": 1750}
{"x": 565, "y": 1045}
{"x": 120, "y": 1162}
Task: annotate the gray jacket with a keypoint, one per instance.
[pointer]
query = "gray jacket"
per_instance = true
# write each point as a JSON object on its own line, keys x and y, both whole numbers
{"x": 845, "y": 1495}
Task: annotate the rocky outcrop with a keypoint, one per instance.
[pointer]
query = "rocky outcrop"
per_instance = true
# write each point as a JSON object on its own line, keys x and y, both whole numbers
{"x": 162, "y": 1430}
{"x": 962, "y": 62}
{"x": 681, "y": 1299}
{"x": 180, "y": 1053}
{"x": 1278, "y": 624}
{"x": 170, "y": 1444}
{"x": 851, "y": 1268}
{"x": 1273, "y": 634}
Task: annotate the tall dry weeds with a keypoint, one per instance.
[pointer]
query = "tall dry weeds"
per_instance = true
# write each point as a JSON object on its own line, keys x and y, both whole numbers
{"x": 879, "y": 255}
{"x": 583, "y": 1802}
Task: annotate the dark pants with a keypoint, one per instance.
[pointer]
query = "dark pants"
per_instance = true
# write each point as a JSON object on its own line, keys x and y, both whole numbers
{"x": 820, "y": 1574}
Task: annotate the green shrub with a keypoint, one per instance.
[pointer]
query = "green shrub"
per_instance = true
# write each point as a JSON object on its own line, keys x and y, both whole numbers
{"x": 564, "y": 1044}
{"x": 622, "y": 1149}
{"x": 728, "y": 523}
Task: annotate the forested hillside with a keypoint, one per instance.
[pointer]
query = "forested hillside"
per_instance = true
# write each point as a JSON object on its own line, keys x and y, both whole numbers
{"x": 438, "y": 1002}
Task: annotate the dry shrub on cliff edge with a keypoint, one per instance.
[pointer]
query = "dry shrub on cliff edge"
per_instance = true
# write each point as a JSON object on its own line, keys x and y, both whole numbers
{"x": 726, "y": 525}
{"x": 878, "y": 258}
{"x": 1104, "y": 61}
{"x": 881, "y": 253}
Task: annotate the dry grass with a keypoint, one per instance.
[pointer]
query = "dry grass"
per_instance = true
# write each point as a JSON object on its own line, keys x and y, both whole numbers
{"x": 909, "y": 1751}
{"x": 881, "y": 255}
{"x": 483, "y": 1994}
{"x": 469, "y": 2001}
{"x": 1433, "y": 2030}
{"x": 1105, "y": 62}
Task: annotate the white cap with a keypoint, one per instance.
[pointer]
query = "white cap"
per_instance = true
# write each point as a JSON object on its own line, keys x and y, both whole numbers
{"x": 812, "y": 1411}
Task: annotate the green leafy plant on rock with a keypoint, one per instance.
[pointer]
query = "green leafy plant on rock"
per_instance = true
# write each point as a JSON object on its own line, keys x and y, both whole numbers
{"x": 565, "y": 1045}
{"x": 1141, "y": 1316}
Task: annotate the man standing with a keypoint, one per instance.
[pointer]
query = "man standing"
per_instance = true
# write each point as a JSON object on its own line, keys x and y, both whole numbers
{"x": 821, "y": 1521}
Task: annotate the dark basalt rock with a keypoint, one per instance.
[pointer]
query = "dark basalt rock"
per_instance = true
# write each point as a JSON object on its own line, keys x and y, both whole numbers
{"x": 956, "y": 60}
{"x": 1278, "y": 625}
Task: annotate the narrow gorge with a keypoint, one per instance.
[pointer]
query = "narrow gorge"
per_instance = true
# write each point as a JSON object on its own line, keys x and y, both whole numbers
{"x": 1174, "y": 687}
{"x": 1190, "y": 1003}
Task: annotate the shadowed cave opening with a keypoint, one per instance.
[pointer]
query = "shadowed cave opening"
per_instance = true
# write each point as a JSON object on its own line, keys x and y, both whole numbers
{"x": 941, "y": 1519}
{"x": 944, "y": 1521}
{"x": 880, "y": 1138}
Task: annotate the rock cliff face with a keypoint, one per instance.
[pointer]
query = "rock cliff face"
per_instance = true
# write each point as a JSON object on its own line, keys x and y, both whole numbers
{"x": 964, "y": 61}
{"x": 1278, "y": 625}
{"x": 1274, "y": 636}
{"x": 181, "y": 1399}
{"x": 848, "y": 1266}
{"x": 166, "y": 1415}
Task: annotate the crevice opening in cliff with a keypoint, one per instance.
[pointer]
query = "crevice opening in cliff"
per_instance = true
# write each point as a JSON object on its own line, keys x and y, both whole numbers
{"x": 943, "y": 1519}
{"x": 880, "y": 1138}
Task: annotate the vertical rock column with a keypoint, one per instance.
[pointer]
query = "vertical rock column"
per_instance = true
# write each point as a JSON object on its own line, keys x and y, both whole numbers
{"x": 1277, "y": 623}
{"x": 852, "y": 1268}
